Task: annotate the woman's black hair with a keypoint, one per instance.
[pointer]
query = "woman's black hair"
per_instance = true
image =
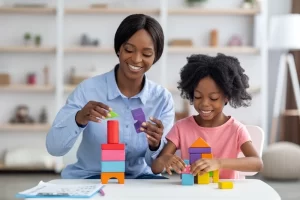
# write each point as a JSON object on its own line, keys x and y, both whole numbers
{"x": 226, "y": 71}
{"x": 135, "y": 22}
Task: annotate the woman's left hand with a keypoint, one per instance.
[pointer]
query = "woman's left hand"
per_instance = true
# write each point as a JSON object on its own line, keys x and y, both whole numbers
{"x": 154, "y": 132}
{"x": 202, "y": 166}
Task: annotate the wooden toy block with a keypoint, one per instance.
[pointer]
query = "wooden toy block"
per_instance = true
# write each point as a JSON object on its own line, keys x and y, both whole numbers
{"x": 187, "y": 170}
{"x": 211, "y": 173}
{"x": 105, "y": 176}
{"x": 187, "y": 162}
{"x": 194, "y": 157}
{"x": 216, "y": 176}
{"x": 187, "y": 179}
{"x": 113, "y": 155}
{"x": 112, "y": 146}
{"x": 207, "y": 155}
{"x": 112, "y": 131}
{"x": 199, "y": 143}
{"x": 225, "y": 185}
{"x": 113, "y": 166}
{"x": 203, "y": 179}
{"x": 112, "y": 115}
{"x": 200, "y": 150}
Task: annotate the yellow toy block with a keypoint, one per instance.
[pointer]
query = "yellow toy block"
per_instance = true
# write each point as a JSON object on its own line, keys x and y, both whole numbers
{"x": 203, "y": 179}
{"x": 225, "y": 185}
{"x": 215, "y": 176}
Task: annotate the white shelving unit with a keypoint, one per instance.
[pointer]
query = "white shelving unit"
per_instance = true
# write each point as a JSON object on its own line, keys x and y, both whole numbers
{"x": 64, "y": 50}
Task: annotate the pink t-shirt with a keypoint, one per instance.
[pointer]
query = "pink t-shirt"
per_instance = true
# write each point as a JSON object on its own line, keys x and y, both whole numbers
{"x": 225, "y": 140}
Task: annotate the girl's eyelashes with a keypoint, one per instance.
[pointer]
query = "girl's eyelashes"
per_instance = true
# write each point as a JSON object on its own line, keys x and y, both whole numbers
{"x": 128, "y": 51}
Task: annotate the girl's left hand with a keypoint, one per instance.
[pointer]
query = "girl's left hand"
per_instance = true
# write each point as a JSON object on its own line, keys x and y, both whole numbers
{"x": 154, "y": 132}
{"x": 202, "y": 166}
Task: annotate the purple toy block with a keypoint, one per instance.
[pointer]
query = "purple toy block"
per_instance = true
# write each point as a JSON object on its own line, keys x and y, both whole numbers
{"x": 200, "y": 150}
{"x": 138, "y": 115}
{"x": 194, "y": 157}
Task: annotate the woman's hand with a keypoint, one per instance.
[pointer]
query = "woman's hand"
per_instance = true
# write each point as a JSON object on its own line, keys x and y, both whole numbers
{"x": 92, "y": 111}
{"x": 174, "y": 162}
{"x": 202, "y": 166}
{"x": 154, "y": 132}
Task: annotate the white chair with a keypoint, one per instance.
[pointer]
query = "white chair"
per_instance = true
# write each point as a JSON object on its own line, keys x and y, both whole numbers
{"x": 257, "y": 136}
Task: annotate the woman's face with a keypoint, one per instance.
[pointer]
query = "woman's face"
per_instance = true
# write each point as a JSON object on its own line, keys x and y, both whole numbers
{"x": 137, "y": 55}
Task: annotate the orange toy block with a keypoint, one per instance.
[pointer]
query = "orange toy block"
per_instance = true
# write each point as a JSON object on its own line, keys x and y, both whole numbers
{"x": 207, "y": 155}
{"x": 199, "y": 143}
{"x": 105, "y": 176}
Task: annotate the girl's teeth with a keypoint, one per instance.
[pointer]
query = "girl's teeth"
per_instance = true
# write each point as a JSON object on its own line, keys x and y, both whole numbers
{"x": 206, "y": 112}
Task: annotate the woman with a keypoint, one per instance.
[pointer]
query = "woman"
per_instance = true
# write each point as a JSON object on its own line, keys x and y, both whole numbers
{"x": 139, "y": 44}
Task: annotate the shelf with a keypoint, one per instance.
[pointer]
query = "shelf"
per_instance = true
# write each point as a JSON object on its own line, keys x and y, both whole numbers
{"x": 292, "y": 112}
{"x": 110, "y": 11}
{"x": 89, "y": 50}
{"x": 233, "y": 50}
{"x": 201, "y": 11}
{"x": 252, "y": 90}
{"x": 25, "y": 49}
{"x": 26, "y": 88}
{"x": 69, "y": 88}
{"x": 25, "y": 127}
{"x": 27, "y": 10}
{"x": 31, "y": 168}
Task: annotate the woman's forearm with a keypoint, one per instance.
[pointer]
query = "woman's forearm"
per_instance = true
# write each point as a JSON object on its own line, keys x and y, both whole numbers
{"x": 157, "y": 166}
{"x": 247, "y": 164}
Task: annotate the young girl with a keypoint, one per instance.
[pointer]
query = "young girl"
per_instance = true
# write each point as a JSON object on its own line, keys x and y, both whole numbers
{"x": 209, "y": 83}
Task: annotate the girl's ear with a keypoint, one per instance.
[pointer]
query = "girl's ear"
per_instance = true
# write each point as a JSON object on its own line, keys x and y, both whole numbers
{"x": 226, "y": 101}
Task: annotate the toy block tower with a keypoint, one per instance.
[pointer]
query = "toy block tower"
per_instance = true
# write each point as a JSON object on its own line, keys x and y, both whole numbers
{"x": 201, "y": 150}
{"x": 112, "y": 155}
{"x": 187, "y": 177}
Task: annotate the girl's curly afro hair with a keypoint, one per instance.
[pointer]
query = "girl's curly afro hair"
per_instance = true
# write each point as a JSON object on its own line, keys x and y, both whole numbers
{"x": 226, "y": 71}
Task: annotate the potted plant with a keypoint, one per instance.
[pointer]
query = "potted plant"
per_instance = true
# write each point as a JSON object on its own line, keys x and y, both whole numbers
{"x": 248, "y": 4}
{"x": 37, "y": 40}
{"x": 193, "y": 3}
{"x": 27, "y": 38}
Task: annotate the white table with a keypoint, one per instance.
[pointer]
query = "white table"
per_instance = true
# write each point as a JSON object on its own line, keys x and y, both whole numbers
{"x": 163, "y": 189}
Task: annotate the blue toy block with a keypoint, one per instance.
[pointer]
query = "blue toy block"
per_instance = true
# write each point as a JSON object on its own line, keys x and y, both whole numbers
{"x": 187, "y": 179}
{"x": 113, "y": 166}
{"x": 187, "y": 162}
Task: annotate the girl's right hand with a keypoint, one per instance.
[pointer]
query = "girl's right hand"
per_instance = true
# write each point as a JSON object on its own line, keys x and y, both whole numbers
{"x": 173, "y": 162}
{"x": 92, "y": 111}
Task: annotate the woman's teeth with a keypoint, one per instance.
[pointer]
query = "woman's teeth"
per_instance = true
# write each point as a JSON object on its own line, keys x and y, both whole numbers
{"x": 134, "y": 68}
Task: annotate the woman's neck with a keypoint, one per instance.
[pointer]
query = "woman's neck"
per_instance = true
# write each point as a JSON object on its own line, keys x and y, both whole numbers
{"x": 218, "y": 120}
{"x": 128, "y": 88}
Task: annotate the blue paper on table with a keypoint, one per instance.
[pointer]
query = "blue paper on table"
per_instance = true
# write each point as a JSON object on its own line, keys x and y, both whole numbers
{"x": 138, "y": 115}
{"x": 50, "y": 190}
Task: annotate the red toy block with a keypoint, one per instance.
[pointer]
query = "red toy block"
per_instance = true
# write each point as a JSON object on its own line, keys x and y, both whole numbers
{"x": 113, "y": 155}
{"x": 187, "y": 170}
{"x": 112, "y": 132}
{"x": 112, "y": 146}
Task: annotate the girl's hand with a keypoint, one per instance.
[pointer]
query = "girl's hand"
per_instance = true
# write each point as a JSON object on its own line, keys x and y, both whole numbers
{"x": 154, "y": 132}
{"x": 173, "y": 162}
{"x": 202, "y": 166}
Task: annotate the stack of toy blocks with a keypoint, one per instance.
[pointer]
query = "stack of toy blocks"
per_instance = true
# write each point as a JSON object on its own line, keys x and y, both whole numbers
{"x": 112, "y": 155}
{"x": 186, "y": 177}
{"x": 201, "y": 150}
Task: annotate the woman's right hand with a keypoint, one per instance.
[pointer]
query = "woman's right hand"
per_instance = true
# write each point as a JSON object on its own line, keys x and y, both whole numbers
{"x": 174, "y": 162}
{"x": 92, "y": 111}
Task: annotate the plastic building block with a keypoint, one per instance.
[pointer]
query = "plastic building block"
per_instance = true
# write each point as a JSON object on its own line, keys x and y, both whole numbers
{"x": 113, "y": 155}
{"x": 211, "y": 173}
{"x": 187, "y": 170}
{"x": 187, "y": 179}
{"x": 187, "y": 162}
{"x": 112, "y": 115}
{"x": 138, "y": 115}
{"x": 112, "y": 132}
{"x": 194, "y": 157}
{"x": 216, "y": 176}
{"x": 113, "y": 166}
{"x": 207, "y": 155}
{"x": 199, "y": 143}
{"x": 105, "y": 176}
{"x": 203, "y": 179}
{"x": 225, "y": 185}
{"x": 112, "y": 146}
{"x": 200, "y": 150}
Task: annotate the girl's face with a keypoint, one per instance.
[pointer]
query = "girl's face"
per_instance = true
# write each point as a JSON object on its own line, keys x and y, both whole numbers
{"x": 209, "y": 100}
{"x": 137, "y": 55}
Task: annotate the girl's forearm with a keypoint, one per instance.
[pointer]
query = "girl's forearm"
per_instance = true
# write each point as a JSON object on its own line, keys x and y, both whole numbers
{"x": 247, "y": 164}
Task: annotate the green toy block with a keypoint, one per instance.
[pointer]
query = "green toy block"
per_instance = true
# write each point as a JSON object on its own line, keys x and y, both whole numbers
{"x": 211, "y": 174}
{"x": 113, "y": 114}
